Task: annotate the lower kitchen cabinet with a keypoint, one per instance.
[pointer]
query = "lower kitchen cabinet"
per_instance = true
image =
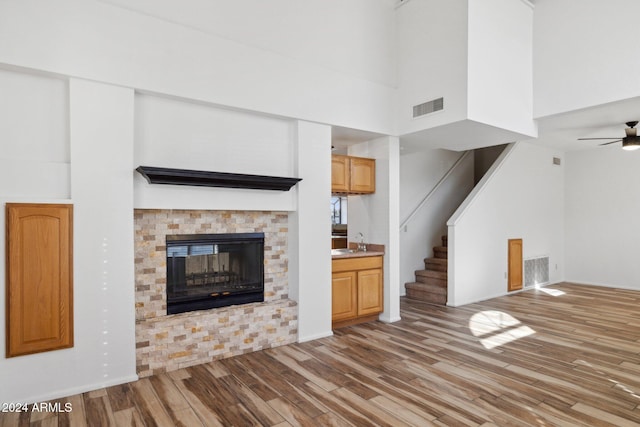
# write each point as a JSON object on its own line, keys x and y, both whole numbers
{"x": 369, "y": 292}
{"x": 356, "y": 290}
{"x": 344, "y": 295}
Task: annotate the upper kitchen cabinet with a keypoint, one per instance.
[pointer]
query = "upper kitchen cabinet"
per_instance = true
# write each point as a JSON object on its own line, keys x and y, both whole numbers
{"x": 340, "y": 174}
{"x": 363, "y": 175}
{"x": 353, "y": 175}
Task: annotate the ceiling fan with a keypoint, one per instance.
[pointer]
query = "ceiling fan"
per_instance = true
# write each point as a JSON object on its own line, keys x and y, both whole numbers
{"x": 630, "y": 142}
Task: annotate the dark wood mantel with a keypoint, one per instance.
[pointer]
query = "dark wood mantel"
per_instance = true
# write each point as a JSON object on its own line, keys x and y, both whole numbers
{"x": 156, "y": 175}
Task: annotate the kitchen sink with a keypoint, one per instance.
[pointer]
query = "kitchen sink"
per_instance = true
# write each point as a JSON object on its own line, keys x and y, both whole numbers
{"x": 342, "y": 251}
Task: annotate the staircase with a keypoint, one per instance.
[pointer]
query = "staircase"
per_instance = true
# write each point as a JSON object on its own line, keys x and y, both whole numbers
{"x": 431, "y": 283}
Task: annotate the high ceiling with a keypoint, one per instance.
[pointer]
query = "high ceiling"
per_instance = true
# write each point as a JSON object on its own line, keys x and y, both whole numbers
{"x": 560, "y": 132}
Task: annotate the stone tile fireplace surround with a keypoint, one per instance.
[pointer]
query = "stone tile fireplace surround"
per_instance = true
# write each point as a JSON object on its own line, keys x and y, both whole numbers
{"x": 169, "y": 342}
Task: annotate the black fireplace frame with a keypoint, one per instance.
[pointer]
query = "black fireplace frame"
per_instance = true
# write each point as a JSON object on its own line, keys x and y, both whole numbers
{"x": 184, "y": 304}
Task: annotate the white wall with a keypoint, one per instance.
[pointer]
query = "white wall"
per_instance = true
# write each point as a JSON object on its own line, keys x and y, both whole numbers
{"x": 98, "y": 41}
{"x": 522, "y": 196}
{"x": 419, "y": 174}
{"x": 583, "y": 55}
{"x": 101, "y": 138}
{"x": 432, "y": 61}
{"x": 309, "y": 240}
{"x": 377, "y": 216}
{"x": 477, "y": 56}
{"x": 353, "y": 37}
{"x": 34, "y": 136}
{"x": 99, "y": 145}
{"x": 602, "y": 207}
{"x": 186, "y": 135}
{"x": 34, "y": 168}
{"x": 500, "y": 88}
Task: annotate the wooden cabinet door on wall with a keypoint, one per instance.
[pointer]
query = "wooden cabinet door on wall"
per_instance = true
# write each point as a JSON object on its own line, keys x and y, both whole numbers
{"x": 339, "y": 174}
{"x": 515, "y": 265}
{"x": 352, "y": 175}
{"x": 39, "y": 277}
{"x": 363, "y": 175}
{"x": 369, "y": 292}
{"x": 343, "y": 295}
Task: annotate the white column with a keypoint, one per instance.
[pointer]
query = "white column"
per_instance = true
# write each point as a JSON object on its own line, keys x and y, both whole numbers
{"x": 101, "y": 140}
{"x": 377, "y": 215}
{"x": 310, "y": 232}
{"x": 392, "y": 266}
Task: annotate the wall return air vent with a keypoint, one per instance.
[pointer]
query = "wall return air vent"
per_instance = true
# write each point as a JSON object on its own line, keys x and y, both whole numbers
{"x": 428, "y": 107}
{"x": 536, "y": 271}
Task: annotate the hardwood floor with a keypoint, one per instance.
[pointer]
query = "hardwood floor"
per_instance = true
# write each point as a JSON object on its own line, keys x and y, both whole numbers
{"x": 568, "y": 355}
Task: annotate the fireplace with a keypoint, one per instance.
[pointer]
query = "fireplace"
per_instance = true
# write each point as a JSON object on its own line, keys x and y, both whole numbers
{"x": 214, "y": 270}
{"x": 164, "y": 342}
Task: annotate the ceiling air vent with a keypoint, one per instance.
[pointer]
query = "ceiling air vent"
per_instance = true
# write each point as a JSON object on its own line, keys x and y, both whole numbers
{"x": 428, "y": 107}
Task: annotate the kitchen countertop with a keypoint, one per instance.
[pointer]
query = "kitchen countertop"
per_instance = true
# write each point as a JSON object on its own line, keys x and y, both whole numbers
{"x": 372, "y": 250}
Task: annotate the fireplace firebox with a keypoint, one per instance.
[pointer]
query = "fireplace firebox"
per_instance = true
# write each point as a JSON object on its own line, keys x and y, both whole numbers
{"x": 214, "y": 270}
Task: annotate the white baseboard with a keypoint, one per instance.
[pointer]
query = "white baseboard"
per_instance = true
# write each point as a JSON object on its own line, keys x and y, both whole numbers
{"x": 604, "y": 285}
{"x": 76, "y": 390}
{"x": 315, "y": 337}
{"x": 390, "y": 319}
{"x": 501, "y": 294}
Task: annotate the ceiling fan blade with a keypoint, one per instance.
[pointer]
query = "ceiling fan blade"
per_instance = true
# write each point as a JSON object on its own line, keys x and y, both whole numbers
{"x": 612, "y": 142}
{"x": 588, "y": 139}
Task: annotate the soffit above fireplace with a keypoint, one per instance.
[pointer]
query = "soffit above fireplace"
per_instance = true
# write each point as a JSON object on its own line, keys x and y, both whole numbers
{"x": 156, "y": 175}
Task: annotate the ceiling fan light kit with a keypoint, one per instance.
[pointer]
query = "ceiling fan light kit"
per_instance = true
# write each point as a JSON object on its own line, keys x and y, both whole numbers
{"x": 630, "y": 143}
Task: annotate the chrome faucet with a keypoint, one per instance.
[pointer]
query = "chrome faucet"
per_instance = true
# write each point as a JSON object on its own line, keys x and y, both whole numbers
{"x": 361, "y": 246}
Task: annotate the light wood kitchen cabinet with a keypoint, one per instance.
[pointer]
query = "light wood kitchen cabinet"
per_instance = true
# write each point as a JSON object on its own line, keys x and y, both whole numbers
{"x": 353, "y": 175}
{"x": 340, "y": 174}
{"x": 344, "y": 295}
{"x": 39, "y": 277}
{"x": 369, "y": 292}
{"x": 363, "y": 175}
{"x": 356, "y": 290}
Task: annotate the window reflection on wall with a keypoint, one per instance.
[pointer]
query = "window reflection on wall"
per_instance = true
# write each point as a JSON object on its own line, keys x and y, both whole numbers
{"x": 338, "y": 210}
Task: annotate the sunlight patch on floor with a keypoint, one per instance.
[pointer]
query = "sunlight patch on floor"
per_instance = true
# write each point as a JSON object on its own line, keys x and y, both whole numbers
{"x": 496, "y": 328}
{"x": 552, "y": 292}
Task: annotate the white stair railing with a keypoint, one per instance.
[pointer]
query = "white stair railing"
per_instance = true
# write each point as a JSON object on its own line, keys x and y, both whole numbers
{"x": 433, "y": 190}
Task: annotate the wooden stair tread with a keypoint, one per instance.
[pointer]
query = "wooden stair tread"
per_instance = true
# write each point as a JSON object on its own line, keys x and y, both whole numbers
{"x": 431, "y": 283}
{"x": 440, "y": 252}
{"x": 432, "y": 273}
{"x": 426, "y": 293}
{"x": 435, "y": 266}
{"x": 442, "y": 283}
{"x": 434, "y": 260}
{"x": 425, "y": 286}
